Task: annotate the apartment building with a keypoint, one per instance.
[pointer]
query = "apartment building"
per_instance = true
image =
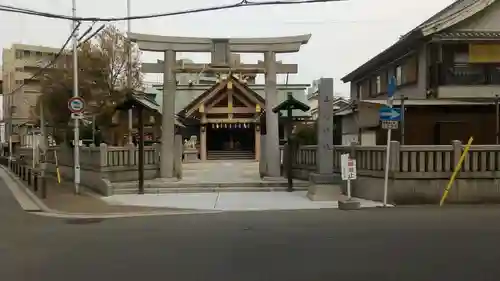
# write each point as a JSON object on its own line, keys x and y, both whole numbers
{"x": 20, "y": 93}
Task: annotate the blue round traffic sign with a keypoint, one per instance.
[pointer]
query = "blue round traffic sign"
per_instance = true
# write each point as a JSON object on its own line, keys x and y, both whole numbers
{"x": 76, "y": 105}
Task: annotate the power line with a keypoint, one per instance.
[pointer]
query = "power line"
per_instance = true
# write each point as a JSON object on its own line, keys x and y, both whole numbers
{"x": 241, "y": 4}
{"x": 91, "y": 35}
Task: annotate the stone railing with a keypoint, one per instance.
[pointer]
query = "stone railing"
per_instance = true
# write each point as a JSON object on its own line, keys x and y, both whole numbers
{"x": 129, "y": 156}
{"x": 100, "y": 166}
{"x": 428, "y": 161}
{"x": 417, "y": 173}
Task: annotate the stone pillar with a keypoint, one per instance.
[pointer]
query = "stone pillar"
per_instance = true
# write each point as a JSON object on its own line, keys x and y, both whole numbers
{"x": 257, "y": 142}
{"x": 178, "y": 156}
{"x": 324, "y": 186}
{"x": 272, "y": 130}
{"x": 203, "y": 142}
{"x": 262, "y": 160}
{"x": 324, "y": 152}
{"x": 168, "y": 117}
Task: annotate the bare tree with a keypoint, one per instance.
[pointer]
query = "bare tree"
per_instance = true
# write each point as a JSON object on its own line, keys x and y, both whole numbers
{"x": 102, "y": 63}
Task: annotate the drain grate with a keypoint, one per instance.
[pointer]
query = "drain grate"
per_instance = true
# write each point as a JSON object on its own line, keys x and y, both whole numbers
{"x": 84, "y": 221}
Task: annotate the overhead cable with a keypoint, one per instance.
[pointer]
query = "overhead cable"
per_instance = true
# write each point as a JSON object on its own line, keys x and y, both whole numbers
{"x": 241, "y": 4}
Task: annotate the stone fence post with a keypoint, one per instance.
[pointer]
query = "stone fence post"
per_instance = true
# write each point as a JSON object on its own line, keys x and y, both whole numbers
{"x": 131, "y": 153}
{"x": 352, "y": 150}
{"x": 457, "y": 152}
{"x": 103, "y": 152}
{"x": 394, "y": 161}
{"x": 157, "y": 149}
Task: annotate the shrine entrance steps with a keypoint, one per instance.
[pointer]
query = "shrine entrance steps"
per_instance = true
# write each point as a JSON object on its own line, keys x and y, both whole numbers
{"x": 213, "y": 176}
{"x": 230, "y": 155}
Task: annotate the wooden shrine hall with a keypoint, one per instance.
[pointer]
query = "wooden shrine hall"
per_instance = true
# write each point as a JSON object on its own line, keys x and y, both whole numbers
{"x": 226, "y": 118}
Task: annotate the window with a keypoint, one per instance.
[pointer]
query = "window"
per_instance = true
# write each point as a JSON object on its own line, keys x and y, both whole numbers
{"x": 363, "y": 89}
{"x": 19, "y": 54}
{"x": 407, "y": 71}
{"x": 384, "y": 82}
{"x": 399, "y": 75}
{"x": 19, "y": 69}
{"x": 38, "y": 54}
{"x": 26, "y": 53}
{"x": 375, "y": 86}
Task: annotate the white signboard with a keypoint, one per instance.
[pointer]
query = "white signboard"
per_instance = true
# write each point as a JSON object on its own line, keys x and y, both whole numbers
{"x": 348, "y": 167}
{"x": 392, "y": 125}
{"x": 76, "y": 116}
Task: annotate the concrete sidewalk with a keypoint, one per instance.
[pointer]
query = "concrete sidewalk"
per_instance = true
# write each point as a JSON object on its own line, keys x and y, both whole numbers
{"x": 231, "y": 201}
{"x": 61, "y": 197}
{"x": 61, "y": 201}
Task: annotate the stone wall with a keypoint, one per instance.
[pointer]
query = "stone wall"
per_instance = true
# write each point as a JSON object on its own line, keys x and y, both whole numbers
{"x": 100, "y": 166}
{"x": 417, "y": 174}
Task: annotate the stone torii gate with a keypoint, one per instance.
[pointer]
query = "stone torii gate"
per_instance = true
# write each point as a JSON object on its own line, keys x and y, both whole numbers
{"x": 220, "y": 50}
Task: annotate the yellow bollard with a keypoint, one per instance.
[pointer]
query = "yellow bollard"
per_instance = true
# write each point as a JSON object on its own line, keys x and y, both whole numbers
{"x": 57, "y": 168}
{"x": 455, "y": 171}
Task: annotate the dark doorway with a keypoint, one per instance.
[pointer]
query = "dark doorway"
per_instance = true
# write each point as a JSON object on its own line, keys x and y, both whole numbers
{"x": 230, "y": 142}
{"x": 446, "y": 132}
{"x": 237, "y": 139}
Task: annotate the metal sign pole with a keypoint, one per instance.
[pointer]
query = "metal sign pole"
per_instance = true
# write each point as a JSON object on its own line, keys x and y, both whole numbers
{"x": 497, "y": 116}
{"x": 390, "y": 95}
{"x": 403, "y": 111}
{"x": 349, "y": 197}
{"x": 76, "y": 138}
{"x": 129, "y": 72}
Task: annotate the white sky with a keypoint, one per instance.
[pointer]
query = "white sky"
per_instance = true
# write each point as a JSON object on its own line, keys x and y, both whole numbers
{"x": 344, "y": 34}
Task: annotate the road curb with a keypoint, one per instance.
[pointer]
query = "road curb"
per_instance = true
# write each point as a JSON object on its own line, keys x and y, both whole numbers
{"x": 30, "y": 203}
{"x": 24, "y": 197}
{"x": 63, "y": 215}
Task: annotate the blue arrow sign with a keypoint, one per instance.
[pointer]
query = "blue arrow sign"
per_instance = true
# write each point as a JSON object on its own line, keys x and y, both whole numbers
{"x": 391, "y": 88}
{"x": 389, "y": 114}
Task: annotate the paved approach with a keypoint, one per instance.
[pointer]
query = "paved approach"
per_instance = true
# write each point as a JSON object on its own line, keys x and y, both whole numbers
{"x": 422, "y": 243}
{"x": 231, "y": 201}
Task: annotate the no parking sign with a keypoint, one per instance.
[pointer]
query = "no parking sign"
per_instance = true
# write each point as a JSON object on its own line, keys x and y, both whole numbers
{"x": 76, "y": 105}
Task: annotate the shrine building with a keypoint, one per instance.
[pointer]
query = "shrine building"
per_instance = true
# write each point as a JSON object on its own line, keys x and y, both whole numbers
{"x": 227, "y": 117}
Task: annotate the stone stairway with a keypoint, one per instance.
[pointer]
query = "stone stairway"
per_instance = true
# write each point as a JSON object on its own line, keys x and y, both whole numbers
{"x": 230, "y": 155}
{"x": 213, "y": 176}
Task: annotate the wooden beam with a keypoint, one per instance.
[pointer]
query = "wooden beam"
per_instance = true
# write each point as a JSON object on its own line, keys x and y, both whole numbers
{"x": 225, "y": 110}
{"x": 281, "y": 68}
{"x": 243, "y": 100}
{"x": 234, "y": 120}
{"x": 249, "y": 95}
{"x": 216, "y": 101}
{"x": 208, "y": 97}
{"x": 230, "y": 99}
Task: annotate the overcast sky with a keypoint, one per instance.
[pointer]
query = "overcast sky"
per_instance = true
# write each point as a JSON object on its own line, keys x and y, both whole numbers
{"x": 344, "y": 34}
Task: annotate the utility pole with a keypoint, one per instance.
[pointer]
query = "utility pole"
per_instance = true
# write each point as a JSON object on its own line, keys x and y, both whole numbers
{"x": 76, "y": 139}
{"x": 44, "y": 145}
{"x": 403, "y": 112}
{"x": 497, "y": 116}
{"x": 129, "y": 71}
{"x": 390, "y": 98}
{"x": 93, "y": 129}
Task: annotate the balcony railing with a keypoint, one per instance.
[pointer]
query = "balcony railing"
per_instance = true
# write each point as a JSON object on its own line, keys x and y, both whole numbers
{"x": 469, "y": 74}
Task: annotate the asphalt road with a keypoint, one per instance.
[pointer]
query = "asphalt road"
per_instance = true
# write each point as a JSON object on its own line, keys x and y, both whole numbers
{"x": 411, "y": 243}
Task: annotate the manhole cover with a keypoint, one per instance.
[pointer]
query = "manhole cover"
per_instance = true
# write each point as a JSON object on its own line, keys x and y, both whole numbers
{"x": 84, "y": 221}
